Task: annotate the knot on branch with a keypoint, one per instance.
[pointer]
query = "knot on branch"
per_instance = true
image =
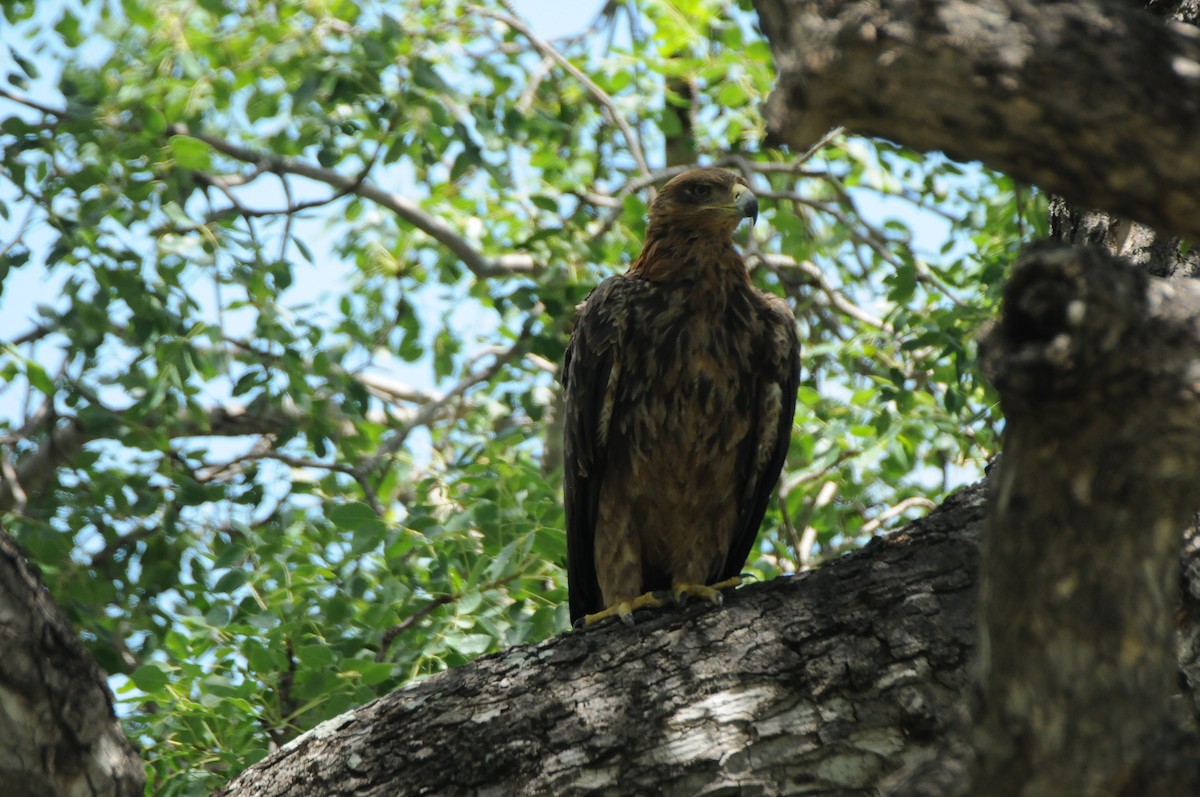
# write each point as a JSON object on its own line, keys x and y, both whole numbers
{"x": 1074, "y": 320}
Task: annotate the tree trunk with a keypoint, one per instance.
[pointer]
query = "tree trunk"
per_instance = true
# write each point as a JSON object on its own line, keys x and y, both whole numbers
{"x": 1096, "y": 363}
{"x": 58, "y": 734}
{"x": 1094, "y": 360}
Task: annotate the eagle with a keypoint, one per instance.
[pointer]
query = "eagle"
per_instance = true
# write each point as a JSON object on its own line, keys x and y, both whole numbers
{"x": 679, "y": 387}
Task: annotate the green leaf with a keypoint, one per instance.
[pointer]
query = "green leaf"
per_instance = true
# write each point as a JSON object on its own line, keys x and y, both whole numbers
{"x": 39, "y": 378}
{"x": 315, "y": 657}
{"x": 191, "y": 153}
{"x": 231, "y": 555}
{"x": 231, "y": 582}
{"x": 68, "y": 28}
{"x": 150, "y": 678}
{"x": 353, "y": 515}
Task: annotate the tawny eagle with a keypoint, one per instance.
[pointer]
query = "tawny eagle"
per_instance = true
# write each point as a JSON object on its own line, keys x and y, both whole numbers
{"x": 680, "y": 388}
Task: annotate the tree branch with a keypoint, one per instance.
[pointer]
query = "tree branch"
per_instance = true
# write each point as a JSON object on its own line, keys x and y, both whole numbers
{"x": 30, "y": 103}
{"x": 1098, "y": 369}
{"x": 999, "y": 82}
{"x": 547, "y": 50}
{"x": 432, "y": 409}
{"x": 700, "y": 700}
{"x": 836, "y": 299}
{"x": 66, "y": 439}
{"x": 478, "y": 263}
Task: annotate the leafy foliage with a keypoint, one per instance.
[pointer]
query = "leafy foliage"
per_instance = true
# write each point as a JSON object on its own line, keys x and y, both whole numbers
{"x": 282, "y": 437}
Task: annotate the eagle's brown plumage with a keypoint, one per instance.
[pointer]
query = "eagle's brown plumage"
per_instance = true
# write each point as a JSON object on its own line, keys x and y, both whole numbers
{"x": 680, "y": 387}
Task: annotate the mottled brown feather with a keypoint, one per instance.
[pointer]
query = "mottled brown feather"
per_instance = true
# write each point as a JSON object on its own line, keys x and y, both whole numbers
{"x": 680, "y": 389}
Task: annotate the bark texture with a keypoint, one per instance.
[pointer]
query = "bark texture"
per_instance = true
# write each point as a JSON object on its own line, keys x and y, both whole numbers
{"x": 1096, "y": 100}
{"x": 59, "y": 736}
{"x": 1097, "y": 369}
{"x": 818, "y": 684}
{"x": 1096, "y": 363}
{"x": 1144, "y": 247}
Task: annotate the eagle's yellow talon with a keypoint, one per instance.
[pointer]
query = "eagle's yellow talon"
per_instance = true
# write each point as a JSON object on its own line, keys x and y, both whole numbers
{"x": 710, "y": 593}
{"x": 623, "y": 610}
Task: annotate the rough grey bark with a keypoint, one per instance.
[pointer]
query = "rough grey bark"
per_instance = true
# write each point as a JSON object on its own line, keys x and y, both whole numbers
{"x": 1155, "y": 254}
{"x": 1096, "y": 100}
{"x": 818, "y": 684}
{"x": 1096, "y": 364}
{"x": 59, "y": 736}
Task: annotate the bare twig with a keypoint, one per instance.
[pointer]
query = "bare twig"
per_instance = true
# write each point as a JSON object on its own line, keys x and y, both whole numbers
{"x": 835, "y": 297}
{"x": 893, "y": 511}
{"x": 19, "y": 499}
{"x": 64, "y": 440}
{"x": 547, "y": 50}
{"x": 429, "y": 608}
{"x": 788, "y": 526}
{"x": 427, "y": 412}
{"x": 19, "y": 235}
{"x": 122, "y": 543}
{"x": 790, "y": 483}
{"x": 390, "y": 635}
{"x": 541, "y": 363}
{"x": 32, "y": 336}
{"x": 355, "y": 473}
{"x": 830, "y": 135}
{"x": 34, "y": 104}
{"x": 809, "y": 538}
{"x": 525, "y": 101}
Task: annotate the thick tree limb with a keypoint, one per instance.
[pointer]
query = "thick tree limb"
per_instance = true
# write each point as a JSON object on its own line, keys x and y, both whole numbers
{"x": 1096, "y": 363}
{"x": 1001, "y": 81}
{"x": 819, "y": 683}
{"x": 1156, "y": 254}
{"x": 59, "y": 736}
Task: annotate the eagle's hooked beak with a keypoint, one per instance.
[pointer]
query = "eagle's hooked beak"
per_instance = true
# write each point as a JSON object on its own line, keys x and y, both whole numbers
{"x": 746, "y": 202}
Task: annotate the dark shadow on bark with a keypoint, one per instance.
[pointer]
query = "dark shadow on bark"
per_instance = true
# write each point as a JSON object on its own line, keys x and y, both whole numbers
{"x": 59, "y": 736}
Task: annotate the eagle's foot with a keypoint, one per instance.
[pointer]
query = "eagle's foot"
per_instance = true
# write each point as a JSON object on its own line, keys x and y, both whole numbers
{"x": 709, "y": 592}
{"x": 622, "y": 609}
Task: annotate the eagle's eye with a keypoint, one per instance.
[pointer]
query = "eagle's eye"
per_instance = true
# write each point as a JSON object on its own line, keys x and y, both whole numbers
{"x": 701, "y": 190}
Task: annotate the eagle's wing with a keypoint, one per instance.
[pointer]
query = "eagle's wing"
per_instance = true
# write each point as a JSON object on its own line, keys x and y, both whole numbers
{"x": 779, "y": 375}
{"x": 591, "y": 372}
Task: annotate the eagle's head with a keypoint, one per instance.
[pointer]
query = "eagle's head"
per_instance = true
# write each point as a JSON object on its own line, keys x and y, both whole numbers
{"x": 713, "y": 201}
